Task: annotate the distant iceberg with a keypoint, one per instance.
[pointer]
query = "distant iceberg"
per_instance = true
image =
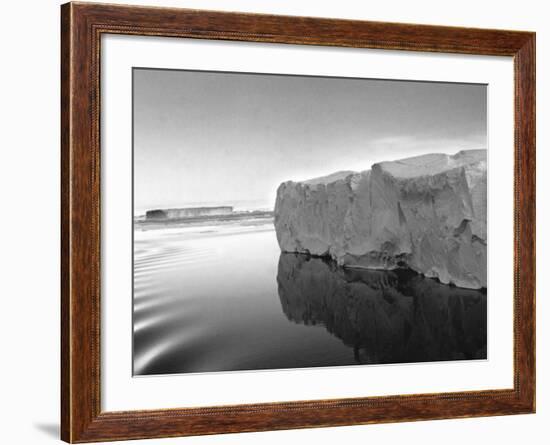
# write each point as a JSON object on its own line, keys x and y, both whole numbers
{"x": 187, "y": 212}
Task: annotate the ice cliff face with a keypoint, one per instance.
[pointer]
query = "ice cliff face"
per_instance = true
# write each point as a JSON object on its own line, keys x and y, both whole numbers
{"x": 427, "y": 213}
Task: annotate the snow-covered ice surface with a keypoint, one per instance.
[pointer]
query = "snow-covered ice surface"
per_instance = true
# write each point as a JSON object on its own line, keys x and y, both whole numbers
{"x": 427, "y": 213}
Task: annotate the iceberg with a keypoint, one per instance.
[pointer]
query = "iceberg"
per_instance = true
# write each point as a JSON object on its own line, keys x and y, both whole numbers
{"x": 426, "y": 213}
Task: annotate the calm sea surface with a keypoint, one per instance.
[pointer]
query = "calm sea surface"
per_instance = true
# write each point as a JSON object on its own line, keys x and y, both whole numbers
{"x": 223, "y": 298}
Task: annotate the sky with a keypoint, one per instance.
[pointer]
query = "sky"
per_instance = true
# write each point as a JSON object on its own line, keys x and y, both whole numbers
{"x": 212, "y": 138}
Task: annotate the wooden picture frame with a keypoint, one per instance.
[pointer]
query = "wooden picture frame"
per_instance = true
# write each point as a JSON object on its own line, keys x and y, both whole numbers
{"x": 82, "y": 25}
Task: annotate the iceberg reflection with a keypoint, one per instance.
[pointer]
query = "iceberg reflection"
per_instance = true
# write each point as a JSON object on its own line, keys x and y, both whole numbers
{"x": 385, "y": 316}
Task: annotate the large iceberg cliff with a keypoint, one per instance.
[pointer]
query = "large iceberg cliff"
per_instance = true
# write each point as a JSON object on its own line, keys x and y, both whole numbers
{"x": 427, "y": 213}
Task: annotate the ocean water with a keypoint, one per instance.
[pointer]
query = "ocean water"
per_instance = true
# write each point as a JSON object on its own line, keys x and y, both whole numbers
{"x": 223, "y": 298}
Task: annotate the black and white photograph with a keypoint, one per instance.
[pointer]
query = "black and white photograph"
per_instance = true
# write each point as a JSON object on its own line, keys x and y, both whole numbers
{"x": 289, "y": 221}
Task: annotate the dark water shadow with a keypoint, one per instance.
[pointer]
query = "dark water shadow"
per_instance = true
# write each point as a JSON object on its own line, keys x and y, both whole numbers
{"x": 49, "y": 429}
{"x": 385, "y": 316}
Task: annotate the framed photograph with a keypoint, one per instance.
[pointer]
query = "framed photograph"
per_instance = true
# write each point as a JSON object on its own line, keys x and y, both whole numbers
{"x": 274, "y": 222}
